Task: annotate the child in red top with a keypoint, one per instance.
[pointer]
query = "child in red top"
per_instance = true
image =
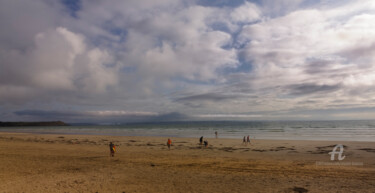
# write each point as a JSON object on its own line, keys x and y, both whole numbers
{"x": 169, "y": 143}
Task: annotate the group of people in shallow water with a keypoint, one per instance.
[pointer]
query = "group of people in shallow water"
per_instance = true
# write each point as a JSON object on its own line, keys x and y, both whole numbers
{"x": 112, "y": 148}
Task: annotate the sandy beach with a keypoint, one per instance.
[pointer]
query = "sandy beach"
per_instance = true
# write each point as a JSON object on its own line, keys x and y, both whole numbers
{"x": 77, "y": 163}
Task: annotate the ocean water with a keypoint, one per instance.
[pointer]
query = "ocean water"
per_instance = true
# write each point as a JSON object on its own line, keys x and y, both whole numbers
{"x": 284, "y": 130}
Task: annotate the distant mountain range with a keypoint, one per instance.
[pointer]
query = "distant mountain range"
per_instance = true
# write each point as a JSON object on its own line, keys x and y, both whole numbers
{"x": 31, "y": 124}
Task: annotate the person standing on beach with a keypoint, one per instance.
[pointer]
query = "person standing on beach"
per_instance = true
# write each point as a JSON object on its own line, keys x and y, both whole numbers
{"x": 201, "y": 140}
{"x": 169, "y": 143}
{"x": 112, "y": 149}
{"x": 244, "y": 140}
{"x": 248, "y": 139}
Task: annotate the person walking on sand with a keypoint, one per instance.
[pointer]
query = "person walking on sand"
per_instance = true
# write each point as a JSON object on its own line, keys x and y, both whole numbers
{"x": 248, "y": 139}
{"x": 112, "y": 149}
{"x": 201, "y": 140}
{"x": 169, "y": 143}
{"x": 244, "y": 140}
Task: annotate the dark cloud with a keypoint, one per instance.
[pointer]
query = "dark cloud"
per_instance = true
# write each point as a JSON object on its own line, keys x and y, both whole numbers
{"x": 311, "y": 88}
{"x": 47, "y": 114}
{"x": 215, "y": 97}
{"x": 318, "y": 66}
{"x": 305, "y": 102}
{"x": 220, "y": 3}
{"x": 174, "y": 116}
{"x": 362, "y": 54}
{"x": 201, "y": 100}
{"x": 100, "y": 116}
{"x": 345, "y": 109}
{"x": 329, "y": 69}
{"x": 53, "y": 115}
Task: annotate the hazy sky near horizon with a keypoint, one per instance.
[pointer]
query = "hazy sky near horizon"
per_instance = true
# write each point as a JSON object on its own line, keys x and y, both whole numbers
{"x": 138, "y": 60}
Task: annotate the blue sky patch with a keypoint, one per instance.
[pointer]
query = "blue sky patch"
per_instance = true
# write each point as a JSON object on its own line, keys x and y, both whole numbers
{"x": 73, "y": 6}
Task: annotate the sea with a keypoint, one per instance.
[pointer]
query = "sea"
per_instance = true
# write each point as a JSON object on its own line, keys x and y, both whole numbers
{"x": 363, "y": 130}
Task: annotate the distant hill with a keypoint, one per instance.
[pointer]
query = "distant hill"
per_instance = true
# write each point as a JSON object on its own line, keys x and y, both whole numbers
{"x": 31, "y": 124}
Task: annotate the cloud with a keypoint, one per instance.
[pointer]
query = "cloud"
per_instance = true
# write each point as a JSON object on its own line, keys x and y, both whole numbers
{"x": 311, "y": 45}
{"x": 120, "y": 113}
{"x": 226, "y": 58}
{"x": 228, "y": 116}
{"x": 207, "y": 97}
{"x": 179, "y": 45}
{"x": 246, "y": 13}
{"x": 303, "y": 89}
{"x": 48, "y": 114}
{"x": 19, "y": 28}
{"x": 61, "y": 61}
{"x": 100, "y": 116}
{"x": 279, "y": 8}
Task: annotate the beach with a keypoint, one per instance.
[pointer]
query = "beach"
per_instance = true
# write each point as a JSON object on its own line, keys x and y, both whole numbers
{"x": 81, "y": 163}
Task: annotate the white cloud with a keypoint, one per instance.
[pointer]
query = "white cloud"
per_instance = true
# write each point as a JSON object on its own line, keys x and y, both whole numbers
{"x": 290, "y": 41}
{"x": 133, "y": 54}
{"x": 177, "y": 44}
{"x": 76, "y": 41}
{"x": 246, "y": 13}
{"x": 60, "y": 61}
{"x": 317, "y": 50}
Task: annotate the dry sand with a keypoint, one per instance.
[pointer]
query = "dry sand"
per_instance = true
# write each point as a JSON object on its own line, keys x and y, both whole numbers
{"x": 74, "y": 163}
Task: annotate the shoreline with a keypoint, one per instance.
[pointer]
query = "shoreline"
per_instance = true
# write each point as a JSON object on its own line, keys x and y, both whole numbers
{"x": 81, "y": 163}
{"x": 171, "y": 136}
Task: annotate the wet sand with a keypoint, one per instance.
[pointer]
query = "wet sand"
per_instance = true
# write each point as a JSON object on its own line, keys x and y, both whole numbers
{"x": 77, "y": 163}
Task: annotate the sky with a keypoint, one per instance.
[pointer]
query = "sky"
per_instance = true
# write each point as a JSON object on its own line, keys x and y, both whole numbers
{"x": 117, "y": 61}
